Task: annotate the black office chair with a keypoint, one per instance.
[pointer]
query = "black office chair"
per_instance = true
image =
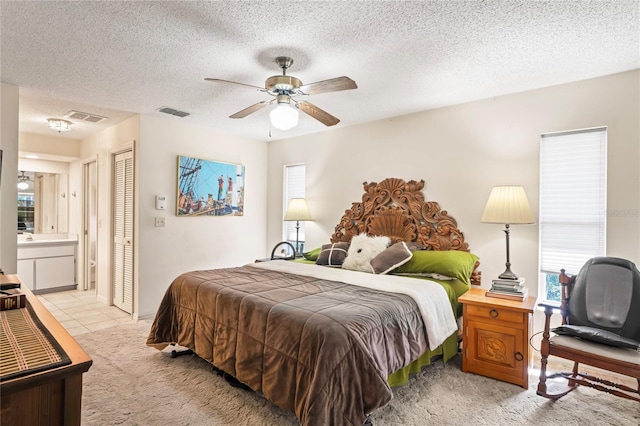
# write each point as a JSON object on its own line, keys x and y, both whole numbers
{"x": 600, "y": 327}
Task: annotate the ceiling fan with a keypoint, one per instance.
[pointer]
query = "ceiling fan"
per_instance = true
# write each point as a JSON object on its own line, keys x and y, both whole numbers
{"x": 284, "y": 89}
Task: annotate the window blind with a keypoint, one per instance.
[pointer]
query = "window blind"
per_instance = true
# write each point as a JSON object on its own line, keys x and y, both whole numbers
{"x": 572, "y": 199}
{"x": 294, "y": 187}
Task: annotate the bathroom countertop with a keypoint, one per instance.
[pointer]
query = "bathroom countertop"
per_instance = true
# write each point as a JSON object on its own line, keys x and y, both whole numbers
{"x": 57, "y": 242}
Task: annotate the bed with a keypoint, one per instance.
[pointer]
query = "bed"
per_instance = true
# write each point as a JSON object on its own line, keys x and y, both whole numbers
{"x": 325, "y": 342}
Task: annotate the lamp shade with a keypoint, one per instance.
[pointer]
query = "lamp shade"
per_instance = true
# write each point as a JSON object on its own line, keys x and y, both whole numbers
{"x": 297, "y": 210}
{"x": 508, "y": 205}
{"x": 283, "y": 117}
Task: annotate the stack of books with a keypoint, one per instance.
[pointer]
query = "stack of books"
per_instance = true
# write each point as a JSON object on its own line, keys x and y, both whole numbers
{"x": 508, "y": 289}
{"x": 11, "y": 297}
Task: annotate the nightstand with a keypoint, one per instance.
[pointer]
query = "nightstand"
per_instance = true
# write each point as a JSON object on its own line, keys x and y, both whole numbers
{"x": 495, "y": 336}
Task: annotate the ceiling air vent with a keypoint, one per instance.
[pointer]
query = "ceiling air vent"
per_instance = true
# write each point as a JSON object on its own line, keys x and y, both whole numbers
{"x": 172, "y": 111}
{"x": 84, "y": 116}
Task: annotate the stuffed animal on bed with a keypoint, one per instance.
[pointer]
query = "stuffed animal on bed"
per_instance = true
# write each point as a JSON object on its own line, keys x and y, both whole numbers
{"x": 362, "y": 250}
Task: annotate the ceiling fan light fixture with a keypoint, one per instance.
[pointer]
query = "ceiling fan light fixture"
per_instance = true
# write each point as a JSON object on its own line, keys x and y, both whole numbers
{"x": 283, "y": 116}
{"x": 23, "y": 181}
{"x": 59, "y": 125}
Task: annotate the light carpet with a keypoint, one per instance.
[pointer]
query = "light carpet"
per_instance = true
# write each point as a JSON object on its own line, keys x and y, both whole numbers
{"x": 132, "y": 384}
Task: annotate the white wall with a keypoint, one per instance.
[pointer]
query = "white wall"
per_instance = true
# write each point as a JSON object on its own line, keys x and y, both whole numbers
{"x": 462, "y": 152}
{"x": 191, "y": 243}
{"x": 59, "y": 147}
{"x": 44, "y": 166}
{"x": 9, "y": 179}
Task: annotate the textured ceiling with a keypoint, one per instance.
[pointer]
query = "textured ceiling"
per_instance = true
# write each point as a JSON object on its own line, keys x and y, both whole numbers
{"x": 118, "y": 58}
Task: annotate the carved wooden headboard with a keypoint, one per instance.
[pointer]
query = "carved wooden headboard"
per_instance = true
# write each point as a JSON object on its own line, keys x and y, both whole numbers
{"x": 397, "y": 209}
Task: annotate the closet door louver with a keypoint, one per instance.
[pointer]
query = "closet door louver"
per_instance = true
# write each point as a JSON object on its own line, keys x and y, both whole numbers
{"x": 123, "y": 232}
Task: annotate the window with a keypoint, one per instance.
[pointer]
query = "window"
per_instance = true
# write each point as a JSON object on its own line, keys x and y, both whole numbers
{"x": 572, "y": 203}
{"x": 294, "y": 187}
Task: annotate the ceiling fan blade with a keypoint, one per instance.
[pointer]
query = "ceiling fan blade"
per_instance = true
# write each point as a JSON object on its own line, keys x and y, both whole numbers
{"x": 262, "y": 89}
{"x": 331, "y": 85}
{"x": 249, "y": 110}
{"x": 317, "y": 113}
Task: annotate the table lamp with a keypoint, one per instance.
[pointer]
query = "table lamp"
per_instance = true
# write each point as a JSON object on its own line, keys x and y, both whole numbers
{"x": 297, "y": 210}
{"x": 508, "y": 205}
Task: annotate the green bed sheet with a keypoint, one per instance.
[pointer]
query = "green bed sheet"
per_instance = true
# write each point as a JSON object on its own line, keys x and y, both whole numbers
{"x": 446, "y": 350}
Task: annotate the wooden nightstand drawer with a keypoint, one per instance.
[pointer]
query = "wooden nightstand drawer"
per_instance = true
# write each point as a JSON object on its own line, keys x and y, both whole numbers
{"x": 496, "y": 313}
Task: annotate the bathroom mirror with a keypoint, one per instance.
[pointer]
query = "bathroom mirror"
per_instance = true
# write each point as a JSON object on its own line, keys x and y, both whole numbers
{"x": 42, "y": 202}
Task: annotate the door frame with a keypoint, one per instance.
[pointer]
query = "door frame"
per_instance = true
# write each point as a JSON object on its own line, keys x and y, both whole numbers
{"x": 86, "y": 255}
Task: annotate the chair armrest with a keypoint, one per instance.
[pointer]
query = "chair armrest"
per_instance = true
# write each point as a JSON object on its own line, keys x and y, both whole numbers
{"x": 549, "y": 307}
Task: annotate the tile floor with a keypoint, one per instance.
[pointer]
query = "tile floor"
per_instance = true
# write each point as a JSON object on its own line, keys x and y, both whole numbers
{"x": 79, "y": 312}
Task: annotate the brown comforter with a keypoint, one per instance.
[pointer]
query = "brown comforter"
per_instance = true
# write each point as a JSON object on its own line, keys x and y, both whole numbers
{"x": 322, "y": 349}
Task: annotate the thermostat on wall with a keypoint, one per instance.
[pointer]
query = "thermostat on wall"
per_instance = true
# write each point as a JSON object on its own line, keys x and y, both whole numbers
{"x": 161, "y": 202}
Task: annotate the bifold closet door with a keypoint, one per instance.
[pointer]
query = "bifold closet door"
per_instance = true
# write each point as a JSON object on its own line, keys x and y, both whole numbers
{"x": 123, "y": 231}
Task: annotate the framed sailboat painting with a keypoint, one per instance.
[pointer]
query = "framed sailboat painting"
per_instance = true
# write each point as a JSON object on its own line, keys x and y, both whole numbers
{"x": 209, "y": 188}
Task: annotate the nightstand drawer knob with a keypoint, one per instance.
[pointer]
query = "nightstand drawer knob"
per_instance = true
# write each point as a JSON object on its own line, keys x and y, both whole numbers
{"x": 519, "y": 356}
{"x": 493, "y": 313}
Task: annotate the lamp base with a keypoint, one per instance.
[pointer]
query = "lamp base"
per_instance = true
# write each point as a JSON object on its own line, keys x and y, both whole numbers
{"x": 508, "y": 275}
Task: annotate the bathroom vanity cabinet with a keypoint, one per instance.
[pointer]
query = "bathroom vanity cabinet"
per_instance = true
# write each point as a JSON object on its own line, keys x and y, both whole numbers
{"x": 47, "y": 265}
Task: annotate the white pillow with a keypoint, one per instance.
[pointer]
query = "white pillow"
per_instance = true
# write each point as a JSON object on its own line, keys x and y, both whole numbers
{"x": 363, "y": 248}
